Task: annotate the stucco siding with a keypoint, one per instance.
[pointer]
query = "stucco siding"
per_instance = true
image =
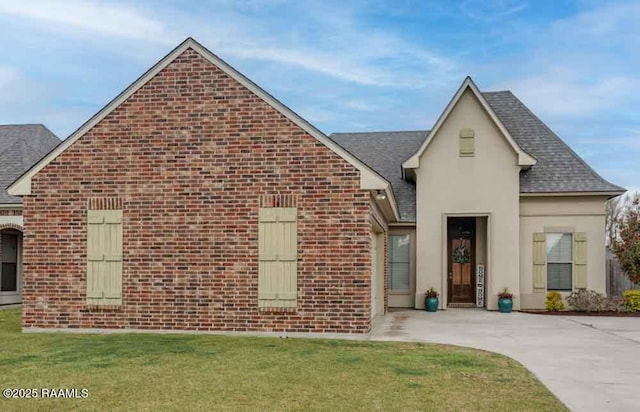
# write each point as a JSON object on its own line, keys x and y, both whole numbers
{"x": 486, "y": 184}
{"x": 553, "y": 214}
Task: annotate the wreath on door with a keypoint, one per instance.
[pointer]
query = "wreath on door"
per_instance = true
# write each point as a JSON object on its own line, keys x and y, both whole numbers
{"x": 461, "y": 254}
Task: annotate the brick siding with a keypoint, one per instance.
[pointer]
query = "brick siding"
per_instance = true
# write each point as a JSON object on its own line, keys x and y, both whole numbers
{"x": 190, "y": 157}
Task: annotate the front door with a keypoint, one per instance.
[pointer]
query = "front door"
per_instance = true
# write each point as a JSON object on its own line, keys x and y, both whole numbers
{"x": 461, "y": 235}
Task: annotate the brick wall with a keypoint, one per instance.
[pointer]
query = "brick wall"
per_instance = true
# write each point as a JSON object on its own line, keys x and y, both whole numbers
{"x": 190, "y": 156}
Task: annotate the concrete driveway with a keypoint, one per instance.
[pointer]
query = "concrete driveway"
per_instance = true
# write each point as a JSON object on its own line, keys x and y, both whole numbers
{"x": 589, "y": 363}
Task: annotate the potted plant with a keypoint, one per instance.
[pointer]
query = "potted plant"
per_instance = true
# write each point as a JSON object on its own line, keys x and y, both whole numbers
{"x": 431, "y": 300}
{"x": 505, "y": 301}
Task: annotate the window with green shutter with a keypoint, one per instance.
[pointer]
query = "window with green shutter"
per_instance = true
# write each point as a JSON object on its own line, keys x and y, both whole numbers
{"x": 104, "y": 257}
{"x": 277, "y": 258}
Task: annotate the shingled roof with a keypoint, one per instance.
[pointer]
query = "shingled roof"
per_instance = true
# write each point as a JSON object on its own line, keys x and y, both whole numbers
{"x": 385, "y": 152}
{"x": 21, "y": 146}
{"x": 558, "y": 169}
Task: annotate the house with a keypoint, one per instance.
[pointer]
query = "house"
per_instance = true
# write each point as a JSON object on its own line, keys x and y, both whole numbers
{"x": 21, "y": 146}
{"x": 197, "y": 201}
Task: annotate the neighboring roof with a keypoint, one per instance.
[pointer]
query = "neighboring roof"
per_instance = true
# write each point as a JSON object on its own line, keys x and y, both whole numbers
{"x": 369, "y": 178}
{"x": 385, "y": 152}
{"x": 558, "y": 168}
{"x": 525, "y": 160}
{"x": 21, "y": 146}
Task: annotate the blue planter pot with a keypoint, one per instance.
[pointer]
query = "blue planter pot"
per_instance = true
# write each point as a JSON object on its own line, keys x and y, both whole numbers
{"x": 505, "y": 305}
{"x": 431, "y": 304}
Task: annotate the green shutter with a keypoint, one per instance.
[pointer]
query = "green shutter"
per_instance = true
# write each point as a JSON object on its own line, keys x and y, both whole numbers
{"x": 95, "y": 256}
{"x": 539, "y": 262}
{"x": 277, "y": 258}
{"x": 104, "y": 257}
{"x": 580, "y": 259}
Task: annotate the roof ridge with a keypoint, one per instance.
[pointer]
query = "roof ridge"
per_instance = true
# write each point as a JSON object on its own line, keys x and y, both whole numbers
{"x": 573, "y": 153}
{"x": 386, "y": 131}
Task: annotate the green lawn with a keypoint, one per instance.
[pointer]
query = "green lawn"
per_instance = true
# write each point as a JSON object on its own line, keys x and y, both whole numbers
{"x": 189, "y": 372}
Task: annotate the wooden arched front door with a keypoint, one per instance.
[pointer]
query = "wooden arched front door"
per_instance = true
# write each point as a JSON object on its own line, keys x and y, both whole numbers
{"x": 461, "y": 241}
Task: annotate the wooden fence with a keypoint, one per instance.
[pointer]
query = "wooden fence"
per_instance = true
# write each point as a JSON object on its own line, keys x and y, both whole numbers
{"x": 617, "y": 282}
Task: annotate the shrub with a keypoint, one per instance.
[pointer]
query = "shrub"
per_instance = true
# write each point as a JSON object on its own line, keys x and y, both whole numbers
{"x": 591, "y": 301}
{"x": 632, "y": 300}
{"x": 626, "y": 242}
{"x": 554, "y": 302}
{"x": 584, "y": 300}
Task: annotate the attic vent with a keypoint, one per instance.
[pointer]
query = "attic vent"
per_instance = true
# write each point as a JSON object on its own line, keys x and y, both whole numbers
{"x": 467, "y": 143}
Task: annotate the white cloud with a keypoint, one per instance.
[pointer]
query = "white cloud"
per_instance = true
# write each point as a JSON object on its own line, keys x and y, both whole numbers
{"x": 579, "y": 66}
{"x": 342, "y": 49}
{"x": 561, "y": 92}
{"x": 102, "y": 17}
{"x": 491, "y": 10}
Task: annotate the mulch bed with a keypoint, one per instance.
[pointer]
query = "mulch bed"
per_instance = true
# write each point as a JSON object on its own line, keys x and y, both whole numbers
{"x": 574, "y": 313}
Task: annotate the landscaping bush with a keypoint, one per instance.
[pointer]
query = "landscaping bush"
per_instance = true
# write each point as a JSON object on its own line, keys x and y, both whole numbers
{"x": 584, "y": 300}
{"x": 632, "y": 300}
{"x": 554, "y": 302}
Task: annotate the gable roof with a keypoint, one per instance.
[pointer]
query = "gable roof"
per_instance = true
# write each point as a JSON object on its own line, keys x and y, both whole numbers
{"x": 369, "y": 178}
{"x": 558, "y": 170}
{"x": 558, "y": 167}
{"x": 524, "y": 159}
{"x": 385, "y": 152}
{"x": 21, "y": 146}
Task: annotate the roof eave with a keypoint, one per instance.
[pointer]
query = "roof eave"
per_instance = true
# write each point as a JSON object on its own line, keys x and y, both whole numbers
{"x": 608, "y": 193}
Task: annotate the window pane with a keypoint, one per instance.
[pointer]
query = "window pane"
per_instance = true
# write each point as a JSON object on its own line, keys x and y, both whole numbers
{"x": 399, "y": 276}
{"x": 560, "y": 247}
{"x": 559, "y": 276}
{"x": 399, "y": 250}
{"x": 9, "y": 278}
{"x": 9, "y": 247}
{"x": 399, "y": 262}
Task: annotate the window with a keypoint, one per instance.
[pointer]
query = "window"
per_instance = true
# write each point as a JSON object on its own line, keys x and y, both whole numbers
{"x": 277, "y": 258}
{"x": 399, "y": 253}
{"x": 9, "y": 270}
{"x": 467, "y": 143}
{"x": 559, "y": 261}
{"x": 104, "y": 257}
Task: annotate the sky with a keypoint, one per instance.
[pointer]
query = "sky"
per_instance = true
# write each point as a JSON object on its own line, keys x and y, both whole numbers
{"x": 345, "y": 65}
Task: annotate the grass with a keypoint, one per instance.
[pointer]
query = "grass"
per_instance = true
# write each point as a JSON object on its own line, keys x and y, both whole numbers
{"x": 200, "y": 372}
